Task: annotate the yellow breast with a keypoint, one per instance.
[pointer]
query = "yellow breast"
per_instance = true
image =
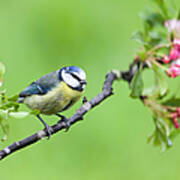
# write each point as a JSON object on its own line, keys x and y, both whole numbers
{"x": 54, "y": 101}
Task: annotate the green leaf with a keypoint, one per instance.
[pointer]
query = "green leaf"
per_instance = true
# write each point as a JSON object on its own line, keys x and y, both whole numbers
{"x": 19, "y": 115}
{"x": 174, "y": 133}
{"x": 161, "y": 85}
{"x": 162, "y": 6}
{"x": 153, "y": 139}
{"x": 178, "y": 14}
{"x": 152, "y": 19}
{"x": 5, "y": 115}
{"x": 139, "y": 37}
{"x": 157, "y": 139}
{"x": 13, "y": 98}
{"x": 2, "y": 71}
{"x": 142, "y": 55}
{"x": 160, "y": 136}
{"x": 4, "y": 123}
{"x": 157, "y": 37}
{"x": 147, "y": 29}
{"x": 175, "y": 102}
{"x": 13, "y": 106}
{"x": 137, "y": 84}
{"x": 155, "y": 19}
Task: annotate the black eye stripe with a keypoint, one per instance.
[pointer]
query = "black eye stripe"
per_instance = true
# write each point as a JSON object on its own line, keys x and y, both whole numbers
{"x": 76, "y": 77}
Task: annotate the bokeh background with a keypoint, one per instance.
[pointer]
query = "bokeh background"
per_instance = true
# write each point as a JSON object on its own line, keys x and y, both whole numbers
{"x": 40, "y": 36}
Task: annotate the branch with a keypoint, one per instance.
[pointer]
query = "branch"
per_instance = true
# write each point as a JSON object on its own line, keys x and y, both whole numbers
{"x": 87, "y": 106}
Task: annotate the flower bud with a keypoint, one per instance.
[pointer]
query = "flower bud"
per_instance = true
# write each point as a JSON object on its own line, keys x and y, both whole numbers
{"x": 173, "y": 115}
{"x": 178, "y": 111}
{"x": 174, "y": 53}
{"x": 166, "y": 60}
{"x": 176, "y": 123}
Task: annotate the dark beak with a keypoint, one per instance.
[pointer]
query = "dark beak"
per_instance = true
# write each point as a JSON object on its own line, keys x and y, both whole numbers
{"x": 83, "y": 82}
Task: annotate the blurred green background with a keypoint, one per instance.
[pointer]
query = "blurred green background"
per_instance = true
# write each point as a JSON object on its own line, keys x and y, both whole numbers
{"x": 40, "y": 36}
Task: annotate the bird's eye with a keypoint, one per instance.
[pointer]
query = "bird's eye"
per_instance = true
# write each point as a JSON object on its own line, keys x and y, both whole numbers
{"x": 75, "y": 76}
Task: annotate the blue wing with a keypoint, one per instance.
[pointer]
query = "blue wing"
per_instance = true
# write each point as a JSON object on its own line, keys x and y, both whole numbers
{"x": 41, "y": 86}
{"x": 34, "y": 88}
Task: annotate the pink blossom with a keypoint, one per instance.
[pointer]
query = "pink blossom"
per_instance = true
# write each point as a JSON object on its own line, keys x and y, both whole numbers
{"x": 173, "y": 26}
{"x": 173, "y": 115}
{"x": 173, "y": 71}
{"x": 173, "y": 59}
{"x": 176, "y": 63}
{"x": 175, "y": 50}
{"x": 176, "y": 123}
{"x": 178, "y": 111}
{"x": 174, "y": 118}
{"x": 166, "y": 60}
{"x": 176, "y": 42}
{"x": 174, "y": 54}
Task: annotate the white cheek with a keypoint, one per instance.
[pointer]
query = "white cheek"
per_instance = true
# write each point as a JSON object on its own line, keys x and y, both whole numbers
{"x": 68, "y": 79}
{"x": 81, "y": 75}
{"x": 83, "y": 86}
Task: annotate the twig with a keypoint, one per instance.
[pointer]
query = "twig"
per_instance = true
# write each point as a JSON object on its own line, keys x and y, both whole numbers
{"x": 87, "y": 105}
{"x": 157, "y": 48}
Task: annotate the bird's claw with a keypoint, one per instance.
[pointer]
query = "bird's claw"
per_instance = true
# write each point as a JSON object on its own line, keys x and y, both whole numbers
{"x": 47, "y": 128}
{"x": 48, "y": 132}
{"x": 84, "y": 100}
{"x": 67, "y": 125}
{"x": 65, "y": 121}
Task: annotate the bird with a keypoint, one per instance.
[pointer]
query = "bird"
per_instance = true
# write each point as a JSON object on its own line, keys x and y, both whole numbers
{"x": 54, "y": 93}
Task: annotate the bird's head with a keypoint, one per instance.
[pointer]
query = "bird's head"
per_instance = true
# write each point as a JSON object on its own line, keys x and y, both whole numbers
{"x": 74, "y": 77}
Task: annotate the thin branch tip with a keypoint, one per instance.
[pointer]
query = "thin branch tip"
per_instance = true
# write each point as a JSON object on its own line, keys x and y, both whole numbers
{"x": 117, "y": 73}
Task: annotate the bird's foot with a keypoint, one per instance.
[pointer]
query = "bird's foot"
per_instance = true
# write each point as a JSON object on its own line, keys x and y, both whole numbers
{"x": 84, "y": 100}
{"x": 65, "y": 121}
{"x": 48, "y": 131}
{"x": 48, "y": 128}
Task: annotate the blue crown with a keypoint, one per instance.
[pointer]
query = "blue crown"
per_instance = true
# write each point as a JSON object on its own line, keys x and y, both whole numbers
{"x": 74, "y": 69}
{"x": 70, "y": 69}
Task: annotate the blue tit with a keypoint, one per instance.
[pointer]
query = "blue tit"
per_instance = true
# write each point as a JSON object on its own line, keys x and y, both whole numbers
{"x": 54, "y": 92}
